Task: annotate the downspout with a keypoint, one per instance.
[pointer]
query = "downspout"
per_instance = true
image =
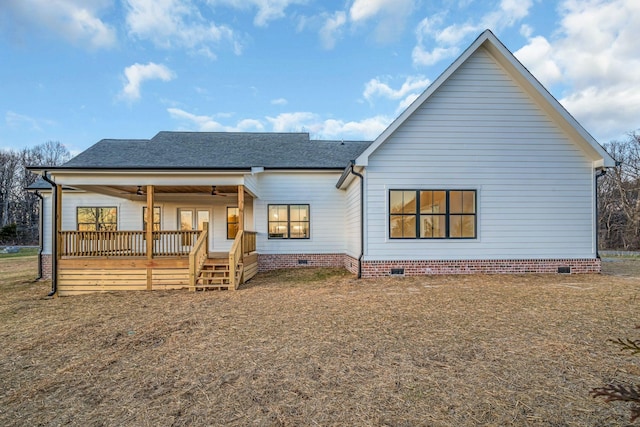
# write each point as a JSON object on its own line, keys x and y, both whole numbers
{"x": 54, "y": 242}
{"x": 359, "y": 175}
{"x": 40, "y": 230}
{"x": 598, "y": 175}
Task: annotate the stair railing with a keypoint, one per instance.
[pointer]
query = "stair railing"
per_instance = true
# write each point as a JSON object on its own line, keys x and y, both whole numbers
{"x": 235, "y": 258}
{"x": 198, "y": 256}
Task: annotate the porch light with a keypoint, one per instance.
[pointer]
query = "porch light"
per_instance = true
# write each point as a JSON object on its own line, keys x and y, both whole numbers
{"x": 139, "y": 191}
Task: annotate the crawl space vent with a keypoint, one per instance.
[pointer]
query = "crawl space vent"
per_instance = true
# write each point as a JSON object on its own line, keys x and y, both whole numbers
{"x": 303, "y": 262}
{"x": 564, "y": 270}
{"x": 397, "y": 271}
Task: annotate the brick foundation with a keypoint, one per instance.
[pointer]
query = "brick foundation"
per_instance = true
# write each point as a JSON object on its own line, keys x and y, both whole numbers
{"x": 46, "y": 266}
{"x": 267, "y": 262}
{"x": 422, "y": 268}
{"x": 351, "y": 264}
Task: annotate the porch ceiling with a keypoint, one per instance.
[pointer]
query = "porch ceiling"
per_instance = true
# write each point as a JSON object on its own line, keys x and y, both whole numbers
{"x": 174, "y": 189}
{"x": 162, "y": 192}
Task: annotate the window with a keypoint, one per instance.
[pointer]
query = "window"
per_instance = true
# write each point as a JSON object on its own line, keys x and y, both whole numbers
{"x": 288, "y": 221}
{"x": 97, "y": 219}
{"x": 233, "y": 215}
{"x": 156, "y": 218}
{"x": 432, "y": 214}
{"x": 192, "y": 219}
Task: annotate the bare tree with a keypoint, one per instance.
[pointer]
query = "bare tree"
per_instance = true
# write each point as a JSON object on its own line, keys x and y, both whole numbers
{"x": 619, "y": 196}
{"x": 18, "y": 207}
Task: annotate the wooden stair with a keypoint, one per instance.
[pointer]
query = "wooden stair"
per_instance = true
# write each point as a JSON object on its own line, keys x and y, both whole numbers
{"x": 215, "y": 275}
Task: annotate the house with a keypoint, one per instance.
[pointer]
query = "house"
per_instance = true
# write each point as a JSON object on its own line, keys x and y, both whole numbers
{"x": 485, "y": 172}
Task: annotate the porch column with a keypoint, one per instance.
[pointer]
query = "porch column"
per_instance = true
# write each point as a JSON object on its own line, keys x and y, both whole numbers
{"x": 56, "y": 243}
{"x": 149, "y": 231}
{"x": 240, "y": 207}
{"x": 149, "y": 236}
{"x": 58, "y": 223}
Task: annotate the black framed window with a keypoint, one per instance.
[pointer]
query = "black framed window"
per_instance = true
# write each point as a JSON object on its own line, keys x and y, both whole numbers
{"x": 97, "y": 218}
{"x": 289, "y": 221}
{"x": 232, "y": 222}
{"x": 432, "y": 214}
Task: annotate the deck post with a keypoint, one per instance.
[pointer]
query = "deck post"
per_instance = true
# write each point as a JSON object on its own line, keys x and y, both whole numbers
{"x": 57, "y": 235}
{"x": 58, "y": 222}
{"x": 241, "y": 210}
{"x": 149, "y": 236}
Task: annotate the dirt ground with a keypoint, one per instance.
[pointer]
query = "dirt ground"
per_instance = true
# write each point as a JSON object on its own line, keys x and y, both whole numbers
{"x": 319, "y": 347}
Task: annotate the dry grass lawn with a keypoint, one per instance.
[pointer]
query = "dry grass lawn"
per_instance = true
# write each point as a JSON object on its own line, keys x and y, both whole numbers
{"x": 318, "y": 347}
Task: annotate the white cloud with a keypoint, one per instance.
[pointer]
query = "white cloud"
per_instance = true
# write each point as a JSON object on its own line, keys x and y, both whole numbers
{"x": 248, "y": 125}
{"x": 436, "y": 42}
{"x": 595, "y": 53}
{"x": 279, "y": 101}
{"x": 362, "y": 10}
{"x": 268, "y": 10}
{"x": 537, "y": 55}
{"x": 389, "y": 15}
{"x": 331, "y": 30}
{"x": 138, "y": 73}
{"x": 178, "y": 23}
{"x": 77, "y": 21}
{"x": 412, "y": 87}
{"x": 302, "y": 121}
{"x": 202, "y": 123}
{"x": 292, "y": 122}
{"x": 427, "y": 29}
{"x": 209, "y": 124}
{"x": 15, "y": 120}
{"x": 368, "y": 128}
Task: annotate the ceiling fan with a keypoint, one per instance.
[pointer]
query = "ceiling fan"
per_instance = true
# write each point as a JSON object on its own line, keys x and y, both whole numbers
{"x": 214, "y": 192}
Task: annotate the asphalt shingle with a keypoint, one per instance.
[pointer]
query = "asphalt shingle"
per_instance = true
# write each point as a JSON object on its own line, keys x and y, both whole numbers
{"x": 219, "y": 150}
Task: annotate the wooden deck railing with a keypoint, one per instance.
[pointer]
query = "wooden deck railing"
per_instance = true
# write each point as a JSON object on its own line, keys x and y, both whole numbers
{"x": 244, "y": 243}
{"x": 197, "y": 256}
{"x": 125, "y": 243}
{"x": 235, "y": 259}
{"x": 249, "y": 241}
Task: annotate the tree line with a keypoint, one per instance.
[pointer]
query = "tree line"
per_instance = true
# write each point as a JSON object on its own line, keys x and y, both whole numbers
{"x": 19, "y": 209}
{"x": 618, "y": 193}
{"x": 619, "y": 197}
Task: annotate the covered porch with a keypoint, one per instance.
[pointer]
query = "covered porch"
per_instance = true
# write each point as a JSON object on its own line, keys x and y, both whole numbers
{"x": 190, "y": 254}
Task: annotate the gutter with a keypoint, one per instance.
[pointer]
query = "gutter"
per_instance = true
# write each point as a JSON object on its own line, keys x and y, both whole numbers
{"x": 54, "y": 241}
{"x": 602, "y": 172}
{"x": 359, "y": 175}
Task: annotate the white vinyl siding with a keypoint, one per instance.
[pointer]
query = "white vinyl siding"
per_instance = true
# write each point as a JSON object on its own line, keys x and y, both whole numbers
{"x": 352, "y": 218}
{"x": 47, "y": 203}
{"x": 481, "y": 131}
{"x": 326, "y": 211}
{"x": 251, "y": 183}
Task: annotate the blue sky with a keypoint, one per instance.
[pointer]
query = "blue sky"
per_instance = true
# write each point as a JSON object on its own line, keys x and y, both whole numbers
{"x": 77, "y": 71}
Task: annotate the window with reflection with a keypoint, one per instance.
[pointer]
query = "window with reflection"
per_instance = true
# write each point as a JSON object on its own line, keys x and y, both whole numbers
{"x": 432, "y": 214}
{"x": 288, "y": 221}
{"x": 232, "y": 222}
{"x": 97, "y": 218}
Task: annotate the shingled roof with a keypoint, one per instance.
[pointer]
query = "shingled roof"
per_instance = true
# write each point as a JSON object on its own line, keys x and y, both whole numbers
{"x": 218, "y": 150}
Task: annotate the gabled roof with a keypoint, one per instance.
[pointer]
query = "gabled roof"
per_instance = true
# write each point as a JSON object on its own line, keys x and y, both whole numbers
{"x": 519, "y": 73}
{"x": 217, "y": 150}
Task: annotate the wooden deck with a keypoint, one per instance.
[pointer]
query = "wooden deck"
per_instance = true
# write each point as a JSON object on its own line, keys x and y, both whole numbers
{"x": 108, "y": 267}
